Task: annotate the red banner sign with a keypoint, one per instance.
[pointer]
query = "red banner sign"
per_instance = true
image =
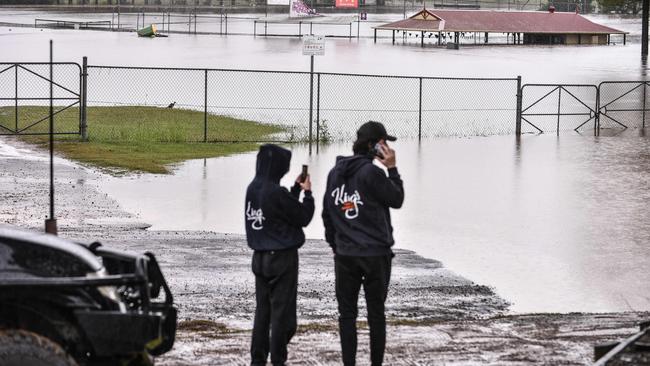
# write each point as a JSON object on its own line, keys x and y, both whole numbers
{"x": 347, "y": 3}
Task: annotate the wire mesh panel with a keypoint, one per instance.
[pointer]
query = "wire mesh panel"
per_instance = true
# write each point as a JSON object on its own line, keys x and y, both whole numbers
{"x": 161, "y": 105}
{"x": 468, "y": 107}
{"x": 347, "y": 101}
{"x": 623, "y": 104}
{"x": 263, "y": 106}
{"x": 548, "y": 108}
{"x": 25, "y": 98}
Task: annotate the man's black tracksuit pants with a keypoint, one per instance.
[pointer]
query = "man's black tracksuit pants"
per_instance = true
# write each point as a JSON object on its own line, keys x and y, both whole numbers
{"x": 374, "y": 274}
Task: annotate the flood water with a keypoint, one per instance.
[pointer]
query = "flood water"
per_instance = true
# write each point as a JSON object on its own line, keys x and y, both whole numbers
{"x": 536, "y": 64}
{"x": 554, "y": 223}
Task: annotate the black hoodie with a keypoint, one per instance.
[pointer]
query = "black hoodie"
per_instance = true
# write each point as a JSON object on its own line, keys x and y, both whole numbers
{"x": 274, "y": 216}
{"x": 356, "y": 206}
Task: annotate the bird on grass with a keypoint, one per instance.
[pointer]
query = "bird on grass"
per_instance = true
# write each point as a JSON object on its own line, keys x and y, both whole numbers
{"x": 171, "y": 105}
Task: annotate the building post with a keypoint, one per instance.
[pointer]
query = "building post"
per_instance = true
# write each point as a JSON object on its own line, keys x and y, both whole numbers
{"x": 393, "y": 36}
{"x": 519, "y": 107}
{"x": 422, "y": 40}
{"x": 375, "y": 38}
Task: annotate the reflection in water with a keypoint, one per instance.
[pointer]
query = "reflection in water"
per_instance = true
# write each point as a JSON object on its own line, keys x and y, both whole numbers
{"x": 553, "y": 223}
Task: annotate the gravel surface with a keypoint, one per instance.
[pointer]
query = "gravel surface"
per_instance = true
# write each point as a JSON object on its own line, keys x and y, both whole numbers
{"x": 435, "y": 316}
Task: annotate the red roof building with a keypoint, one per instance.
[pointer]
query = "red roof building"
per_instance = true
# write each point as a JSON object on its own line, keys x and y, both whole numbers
{"x": 535, "y": 27}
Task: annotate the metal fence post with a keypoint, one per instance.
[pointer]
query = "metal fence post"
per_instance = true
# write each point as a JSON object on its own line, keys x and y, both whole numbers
{"x": 645, "y": 84}
{"x": 597, "y": 114}
{"x": 205, "y": 108}
{"x": 559, "y": 107}
{"x": 519, "y": 107}
{"x": 16, "y": 102}
{"x": 311, "y": 101}
{"x": 84, "y": 100}
{"x": 420, "y": 114}
{"x": 317, "y": 111}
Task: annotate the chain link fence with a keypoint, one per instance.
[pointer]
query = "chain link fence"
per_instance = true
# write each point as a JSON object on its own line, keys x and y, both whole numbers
{"x": 246, "y": 105}
{"x": 180, "y": 105}
{"x": 624, "y": 104}
{"x": 25, "y": 98}
{"x": 553, "y": 108}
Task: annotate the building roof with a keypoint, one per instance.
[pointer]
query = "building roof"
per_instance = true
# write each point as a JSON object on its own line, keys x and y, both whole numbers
{"x": 493, "y": 21}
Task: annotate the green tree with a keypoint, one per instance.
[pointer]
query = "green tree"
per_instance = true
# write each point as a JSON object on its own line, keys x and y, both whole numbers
{"x": 620, "y": 6}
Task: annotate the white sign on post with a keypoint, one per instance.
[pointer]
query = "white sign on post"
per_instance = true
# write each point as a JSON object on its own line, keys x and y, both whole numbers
{"x": 313, "y": 45}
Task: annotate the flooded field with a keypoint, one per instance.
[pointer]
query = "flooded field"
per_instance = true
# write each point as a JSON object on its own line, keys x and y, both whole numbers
{"x": 554, "y": 223}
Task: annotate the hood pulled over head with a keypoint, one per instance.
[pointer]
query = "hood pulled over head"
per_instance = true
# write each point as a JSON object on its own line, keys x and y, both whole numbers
{"x": 272, "y": 163}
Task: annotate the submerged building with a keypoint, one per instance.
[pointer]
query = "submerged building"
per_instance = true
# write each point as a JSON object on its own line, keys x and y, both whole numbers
{"x": 519, "y": 27}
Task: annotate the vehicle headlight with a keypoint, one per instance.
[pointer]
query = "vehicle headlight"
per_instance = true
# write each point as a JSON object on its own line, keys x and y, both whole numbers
{"x": 109, "y": 292}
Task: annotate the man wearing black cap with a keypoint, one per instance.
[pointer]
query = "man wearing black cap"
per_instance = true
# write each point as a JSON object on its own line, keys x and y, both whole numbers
{"x": 358, "y": 228}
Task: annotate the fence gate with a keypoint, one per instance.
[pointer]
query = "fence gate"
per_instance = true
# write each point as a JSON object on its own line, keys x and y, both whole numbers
{"x": 556, "y": 107}
{"x": 25, "y": 98}
{"x": 623, "y": 104}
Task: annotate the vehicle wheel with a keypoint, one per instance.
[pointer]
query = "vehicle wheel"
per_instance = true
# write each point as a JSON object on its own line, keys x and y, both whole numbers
{"x": 23, "y": 348}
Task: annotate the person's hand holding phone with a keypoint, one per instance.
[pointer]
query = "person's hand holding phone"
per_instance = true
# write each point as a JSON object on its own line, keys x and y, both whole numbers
{"x": 388, "y": 155}
{"x": 306, "y": 184}
{"x": 303, "y": 179}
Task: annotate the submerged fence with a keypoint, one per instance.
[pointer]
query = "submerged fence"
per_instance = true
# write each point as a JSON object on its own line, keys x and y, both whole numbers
{"x": 219, "y": 105}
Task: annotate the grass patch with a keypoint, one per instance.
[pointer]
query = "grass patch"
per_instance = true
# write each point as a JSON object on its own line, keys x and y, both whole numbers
{"x": 147, "y": 139}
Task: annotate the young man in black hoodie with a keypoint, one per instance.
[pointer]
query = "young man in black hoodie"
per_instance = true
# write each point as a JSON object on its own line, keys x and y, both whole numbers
{"x": 274, "y": 220}
{"x": 358, "y": 228}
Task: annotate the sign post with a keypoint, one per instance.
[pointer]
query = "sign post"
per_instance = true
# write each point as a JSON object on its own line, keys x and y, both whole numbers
{"x": 50, "y": 224}
{"x": 312, "y": 46}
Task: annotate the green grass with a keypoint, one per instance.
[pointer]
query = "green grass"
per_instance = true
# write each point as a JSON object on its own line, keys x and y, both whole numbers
{"x": 145, "y": 139}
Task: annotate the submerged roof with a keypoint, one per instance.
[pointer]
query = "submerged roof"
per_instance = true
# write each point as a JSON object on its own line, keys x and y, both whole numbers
{"x": 499, "y": 22}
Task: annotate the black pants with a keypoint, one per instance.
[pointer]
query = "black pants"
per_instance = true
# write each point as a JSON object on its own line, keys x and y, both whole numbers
{"x": 374, "y": 274}
{"x": 276, "y": 285}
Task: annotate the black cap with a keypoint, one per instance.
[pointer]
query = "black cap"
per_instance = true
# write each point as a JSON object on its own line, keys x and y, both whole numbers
{"x": 373, "y": 131}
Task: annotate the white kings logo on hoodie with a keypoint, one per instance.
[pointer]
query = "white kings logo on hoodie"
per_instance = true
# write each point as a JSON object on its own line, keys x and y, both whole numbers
{"x": 349, "y": 202}
{"x": 256, "y": 216}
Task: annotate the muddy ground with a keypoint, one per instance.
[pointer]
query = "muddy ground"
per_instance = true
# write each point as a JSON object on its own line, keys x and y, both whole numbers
{"x": 435, "y": 316}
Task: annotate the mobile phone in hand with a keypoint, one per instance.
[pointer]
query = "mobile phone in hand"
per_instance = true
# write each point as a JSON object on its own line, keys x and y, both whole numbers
{"x": 303, "y": 175}
{"x": 376, "y": 150}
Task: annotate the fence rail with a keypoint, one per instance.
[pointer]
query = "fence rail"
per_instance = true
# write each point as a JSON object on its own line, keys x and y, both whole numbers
{"x": 224, "y": 105}
{"x": 25, "y": 93}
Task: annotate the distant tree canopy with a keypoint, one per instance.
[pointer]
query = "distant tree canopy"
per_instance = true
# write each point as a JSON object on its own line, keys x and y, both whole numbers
{"x": 620, "y": 6}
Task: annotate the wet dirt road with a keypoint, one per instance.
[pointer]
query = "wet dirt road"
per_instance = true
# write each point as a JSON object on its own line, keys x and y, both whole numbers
{"x": 434, "y": 316}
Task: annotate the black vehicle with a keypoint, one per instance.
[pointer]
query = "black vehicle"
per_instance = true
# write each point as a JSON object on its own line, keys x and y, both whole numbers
{"x": 65, "y": 304}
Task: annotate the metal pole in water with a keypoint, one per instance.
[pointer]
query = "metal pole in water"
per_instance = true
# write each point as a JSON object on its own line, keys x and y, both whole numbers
{"x": 420, "y": 113}
{"x": 311, "y": 101}
{"x": 16, "y": 102}
{"x": 559, "y": 102}
{"x": 50, "y": 224}
{"x": 519, "y": 106}
{"x": 644, "y": 28}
